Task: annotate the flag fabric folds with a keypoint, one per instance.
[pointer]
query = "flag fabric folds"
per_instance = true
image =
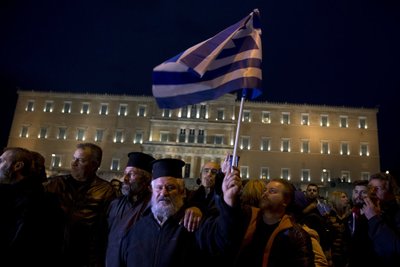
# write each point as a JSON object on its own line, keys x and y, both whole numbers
{"x": 225, "y": 63}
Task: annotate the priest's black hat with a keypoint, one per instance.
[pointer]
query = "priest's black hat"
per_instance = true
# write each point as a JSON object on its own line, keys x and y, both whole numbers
{"x": 167, "y": 167}
{"x": 140, "y": 160}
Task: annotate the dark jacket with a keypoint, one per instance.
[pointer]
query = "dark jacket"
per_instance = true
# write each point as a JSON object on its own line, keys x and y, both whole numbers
{"x": 123, "y": 213}
{"x": 149, "y": 244}
{"x": 85, "y": 204}
{"x": 31, "y": 225}
{"x": 384, "y": 231}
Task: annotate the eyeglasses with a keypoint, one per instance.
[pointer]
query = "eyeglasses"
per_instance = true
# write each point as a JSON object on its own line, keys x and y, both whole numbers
{"x": 213, "y": 171}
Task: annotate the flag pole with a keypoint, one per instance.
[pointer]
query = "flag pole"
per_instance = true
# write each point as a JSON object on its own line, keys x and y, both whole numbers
{"x": 234, "y": 161}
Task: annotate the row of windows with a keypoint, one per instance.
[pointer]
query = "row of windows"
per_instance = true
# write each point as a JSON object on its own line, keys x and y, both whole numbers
{"x": 285, "y": 173}
{"x": 245, "y": 144}
{"x": 199, "y": 112}
{"x": 305, "y": 174}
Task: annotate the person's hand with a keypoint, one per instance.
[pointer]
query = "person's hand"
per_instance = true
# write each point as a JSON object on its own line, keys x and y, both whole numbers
{"x": 371, "y": 209}
{"x": 192, "y": 218}
{"x": 226, "y": 165}
{"x": 231, "y": 186}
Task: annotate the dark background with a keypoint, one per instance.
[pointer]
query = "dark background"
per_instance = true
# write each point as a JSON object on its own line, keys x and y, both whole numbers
{"x": 342, "y": 53}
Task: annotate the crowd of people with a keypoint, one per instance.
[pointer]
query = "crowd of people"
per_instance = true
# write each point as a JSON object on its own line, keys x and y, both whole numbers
{"x": 149, "y": 217}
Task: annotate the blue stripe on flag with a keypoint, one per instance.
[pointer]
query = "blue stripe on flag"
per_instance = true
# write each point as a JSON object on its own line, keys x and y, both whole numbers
{"x": 227, "y": 62}
{"x": 173, "y": 102}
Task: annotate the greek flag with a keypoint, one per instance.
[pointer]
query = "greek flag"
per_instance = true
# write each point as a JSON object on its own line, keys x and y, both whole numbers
{"x": 227, "y": 62}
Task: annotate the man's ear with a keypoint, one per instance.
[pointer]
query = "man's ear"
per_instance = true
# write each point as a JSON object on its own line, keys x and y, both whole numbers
{"x": 18, "y": 165}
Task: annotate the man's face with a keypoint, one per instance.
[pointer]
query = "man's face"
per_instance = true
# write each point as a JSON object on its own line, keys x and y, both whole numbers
{"x": 273, "y": 197}
{"x": 134, "y": 180}
{"x": 359, "y": 193}
{"x": 312, "y": 192}
{"x": 6, "y": 170}
{"x": 208, "y": 174}
{"x": 82, "y": 166}
{"x": 378, "y": 189}
{"x": 167, "y": 197}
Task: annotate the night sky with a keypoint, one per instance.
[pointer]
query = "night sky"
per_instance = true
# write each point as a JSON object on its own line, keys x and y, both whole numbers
{"x": 334, "y": 52}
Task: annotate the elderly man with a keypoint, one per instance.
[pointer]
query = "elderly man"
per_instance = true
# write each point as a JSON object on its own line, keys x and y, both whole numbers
{"x": 158, "y": 239}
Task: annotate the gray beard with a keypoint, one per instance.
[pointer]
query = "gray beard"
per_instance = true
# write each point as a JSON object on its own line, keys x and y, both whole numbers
{"x": 164, "y": 211}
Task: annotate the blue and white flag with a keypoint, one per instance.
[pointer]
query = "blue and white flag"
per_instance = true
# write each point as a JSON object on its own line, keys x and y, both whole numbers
{"x": 227, "y": 62}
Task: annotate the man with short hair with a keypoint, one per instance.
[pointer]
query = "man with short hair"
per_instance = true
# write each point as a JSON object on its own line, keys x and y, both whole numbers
{"x": 85, "y": 198}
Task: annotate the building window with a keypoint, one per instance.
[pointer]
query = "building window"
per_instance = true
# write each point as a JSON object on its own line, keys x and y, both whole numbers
{"x": 103, "y": 109}
{"x": 305, "y": 175}
{"x": 266, "y": 117}
{"x": 219, "y": 140}
{"x": 305, "y": 119}
{"x": 325, "y": 147}
{"x": 141, "y": 111}
{"x": 325, "y": 175}
{"x": 184, "y": 112}
{"x": 164, "y": 136}
{"x": 42, "y": 133}
{"x": 99, "y": 135}
{"x": 364, "y": 150}
{"x": 362, "y": 123}
{"x": 123, "y": 110}
{"x": 264, "y": 173}
{"x": 24, "y": 132}
{"x": 48, "y": 106}
{"x": 30, "y": 106}
{"x": 344, "y": 149}
{"x": 119, "y": 136}
{"x": 182, "y": 136}
{"x": 62, "y": 133}
{"x": 203, "y": 112}
{"x": 244, "y": 172}
{"x": 246, "y": 116}
{"x": 245, "y": 143}
{"x": 220, "y": 114}
{"x": 67, "y": 107}
{"x": 305, "y": 146}
{"x": 343, "y": 122}
{"x": 285, "y": 118}
{"x": 365, "y": 176}
{"x": 114, "y": 165}
{"x": 192, "y": 136}
{"x": 193, "y": 111}
{"x": 265, "y": 144}
{"x": 85, "y": 108}
{"x": 285, "y": 145}
{"x": 285, "y": 173}
{"x": 55, "y": 161}
{"x": 138, "y": 137}
{"x": 346, "y": 176}
{"x": 200, "y": 137}
{"x": 324, "y": 121}
{"x": 166, "y": 113}
{"x": 80, "y": 135}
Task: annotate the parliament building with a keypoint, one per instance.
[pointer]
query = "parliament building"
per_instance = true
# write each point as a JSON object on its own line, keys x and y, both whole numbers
{"x": 299, "y": 142}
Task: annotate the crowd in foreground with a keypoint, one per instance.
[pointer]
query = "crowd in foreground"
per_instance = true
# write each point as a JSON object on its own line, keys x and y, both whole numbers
{"x": 82, "y": 220}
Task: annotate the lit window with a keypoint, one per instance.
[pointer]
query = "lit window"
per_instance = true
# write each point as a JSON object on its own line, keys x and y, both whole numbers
{"x": 123, "y": 110}
{"x": 305, "y": 119}
{"x": 30, "y": 106}
{"x": 48, "y": 106}
{"x": 67, "y": 107}
{"x": 85, "y": 108}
